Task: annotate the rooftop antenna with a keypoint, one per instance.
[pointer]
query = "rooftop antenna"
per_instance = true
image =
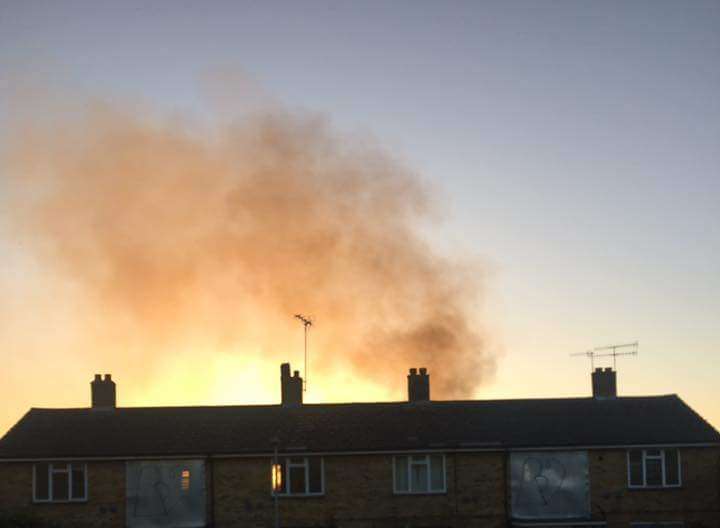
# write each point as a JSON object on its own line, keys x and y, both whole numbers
{"x": 626, "y": 349}
{"x": 307, "y": 323}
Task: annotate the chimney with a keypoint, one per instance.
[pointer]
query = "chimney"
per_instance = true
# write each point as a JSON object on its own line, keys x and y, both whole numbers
{"x": 418, "y": 385}
{"x": 604, "y": 383}
{"x": 103, "y": 392}
{"x": 291, "y": 386}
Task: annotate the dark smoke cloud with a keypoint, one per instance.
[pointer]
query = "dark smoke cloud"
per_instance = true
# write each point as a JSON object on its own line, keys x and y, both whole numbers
{"x": 178, "y": 233}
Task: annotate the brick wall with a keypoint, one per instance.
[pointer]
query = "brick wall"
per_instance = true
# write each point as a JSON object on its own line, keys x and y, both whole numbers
{"x": 359, "y": 494}
{"x": 105, "y": 507}
{"x": 697, "y": 501}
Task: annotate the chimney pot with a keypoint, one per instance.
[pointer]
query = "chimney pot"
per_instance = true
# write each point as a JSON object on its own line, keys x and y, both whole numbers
{"x": 98, "y": 377}
{"x": 418, "y": 386}
{"x": 291, "y": 387}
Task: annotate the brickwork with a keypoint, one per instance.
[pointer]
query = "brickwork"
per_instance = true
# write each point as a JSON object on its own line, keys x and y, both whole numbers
{"x": 359, "y": 494}
{"x": 697, "y": 501}
{"x": 105, "y": 507}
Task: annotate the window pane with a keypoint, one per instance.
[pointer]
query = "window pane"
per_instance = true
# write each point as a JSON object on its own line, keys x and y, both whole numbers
{"x": 41, "y": 482}
{"x": 672, "y": 476}
{"x": 60, "y": 486}
{"x": 437, "y": 475}
{"x": 653, "y": 472}
{"x": 418, "y": 477}
{"x": 636, "y": 475}
{"x": 652, "y": 452}
{"x": 78, "y": 481}
{"x": 315, "y": 469}
{"x": 277, "y": 477}
{"x": 297, "y": 480}
{"x": 401, "y": 474}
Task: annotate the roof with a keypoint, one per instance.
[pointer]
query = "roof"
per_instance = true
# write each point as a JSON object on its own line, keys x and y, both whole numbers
{"x": 353, "y": 427}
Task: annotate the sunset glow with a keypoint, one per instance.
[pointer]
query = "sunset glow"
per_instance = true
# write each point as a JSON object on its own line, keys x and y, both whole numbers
{"x": 482, "y": 191}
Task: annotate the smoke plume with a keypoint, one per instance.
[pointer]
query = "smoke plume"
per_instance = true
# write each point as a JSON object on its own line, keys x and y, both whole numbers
{"x": 178, "y": 237}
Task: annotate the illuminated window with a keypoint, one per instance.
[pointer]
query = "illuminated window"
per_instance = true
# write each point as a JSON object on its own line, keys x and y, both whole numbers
{"x": 65, "y": 482}
{"x": 419, "y": 474}
{"x": 278, "y": 483}
{"x": 653, "y": 468}
{"x": 297, "y": 476}
{"x": 185, "y": 480}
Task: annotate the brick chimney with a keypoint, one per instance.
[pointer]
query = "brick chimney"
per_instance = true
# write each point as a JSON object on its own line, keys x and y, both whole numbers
{"x": 103, "y": 392}
{"x": 604, "y": 383}
{"x": 418, "y": 385}
{"x": 291, "y": 387}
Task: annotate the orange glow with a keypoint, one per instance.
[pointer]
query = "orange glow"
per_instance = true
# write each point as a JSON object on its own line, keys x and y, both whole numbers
{"x": 181, "y": 253}
{"x": 277, "y": 478}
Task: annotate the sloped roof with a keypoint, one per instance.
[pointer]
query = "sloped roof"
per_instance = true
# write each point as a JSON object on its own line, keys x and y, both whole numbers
{"x": 496, "y": 424}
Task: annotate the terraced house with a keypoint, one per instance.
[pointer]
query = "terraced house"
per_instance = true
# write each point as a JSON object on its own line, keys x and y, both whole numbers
{"x": 601, "y": 461}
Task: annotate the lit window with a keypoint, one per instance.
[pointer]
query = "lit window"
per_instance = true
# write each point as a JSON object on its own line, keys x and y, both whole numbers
{"x": 297, "y": 476}
{"x": 419, "y": 474}
{"x": 185, "y": 480}
{"x": 278, "y": 482}
{"x": 653, "y": 468}
{"x": 55, "y": 482}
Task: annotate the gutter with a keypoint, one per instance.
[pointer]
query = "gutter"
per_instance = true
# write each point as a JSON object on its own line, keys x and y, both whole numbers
{"x": 306, "y": 452}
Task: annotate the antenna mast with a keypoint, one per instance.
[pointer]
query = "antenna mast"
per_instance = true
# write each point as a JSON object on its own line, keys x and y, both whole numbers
{"x": 307, "y": 323}
{"x": 599, "y": 352}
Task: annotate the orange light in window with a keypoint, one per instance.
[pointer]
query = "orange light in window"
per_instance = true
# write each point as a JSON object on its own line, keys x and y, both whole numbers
{"x": 185, "y": 480}
{"x": 277, "y": 478}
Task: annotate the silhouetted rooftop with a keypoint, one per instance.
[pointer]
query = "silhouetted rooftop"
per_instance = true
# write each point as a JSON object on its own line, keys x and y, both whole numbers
{"x": 496, "y": 424}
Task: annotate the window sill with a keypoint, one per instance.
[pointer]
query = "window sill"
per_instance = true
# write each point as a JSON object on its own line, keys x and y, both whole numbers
{"x": 298, "y": 495}
{"x": 654, "y": 488}
{"x": 51, "y": 502}
{"x": 418, "y": 493}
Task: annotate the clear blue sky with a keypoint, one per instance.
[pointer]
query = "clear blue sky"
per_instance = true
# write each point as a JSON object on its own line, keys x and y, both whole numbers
{"x": 575, "y": 146}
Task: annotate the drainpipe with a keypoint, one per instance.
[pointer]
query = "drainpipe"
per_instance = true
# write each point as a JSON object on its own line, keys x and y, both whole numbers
{"x": 276, "y": 506}
{"x": 506, "y": 471}
{"x": 210, "y": 476}
{"x": 455, "y": 485}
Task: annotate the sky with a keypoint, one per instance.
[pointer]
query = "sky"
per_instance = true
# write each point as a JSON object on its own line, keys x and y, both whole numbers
{"x": 572, "y": 149}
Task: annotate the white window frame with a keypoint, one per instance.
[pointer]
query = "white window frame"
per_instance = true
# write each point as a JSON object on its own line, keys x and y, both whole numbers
{"x": 410, "y": 463}
{"x": 286, "y": 477}
{"x": 60, "y": 468}
{"x": 661, "y": 457}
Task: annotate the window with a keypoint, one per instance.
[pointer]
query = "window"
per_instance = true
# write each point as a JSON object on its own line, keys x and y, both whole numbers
{"x": 298, "y": 476}
{"x": 653, "y": 468}
{"x": 59, "y": 482}
{"x": 419, "y": 474}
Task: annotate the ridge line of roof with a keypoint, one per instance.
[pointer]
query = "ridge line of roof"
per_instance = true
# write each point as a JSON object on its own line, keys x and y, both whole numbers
{"x": 368, "y": 404}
